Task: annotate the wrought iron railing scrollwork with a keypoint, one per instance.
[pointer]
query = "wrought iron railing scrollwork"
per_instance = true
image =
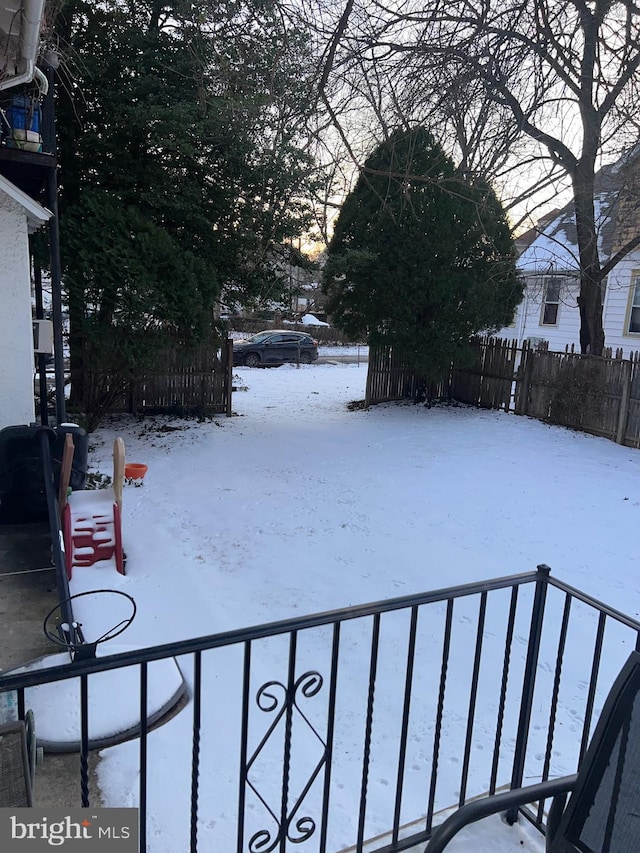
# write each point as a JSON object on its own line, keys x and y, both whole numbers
{"x": 316, "y": 751}
{"x": 276, "y": 697}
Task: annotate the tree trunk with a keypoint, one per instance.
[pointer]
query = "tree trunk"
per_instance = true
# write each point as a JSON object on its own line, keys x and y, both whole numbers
{"x": 589, "y": 300}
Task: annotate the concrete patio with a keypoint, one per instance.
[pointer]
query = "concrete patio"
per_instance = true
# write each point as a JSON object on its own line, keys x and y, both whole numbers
{"x": 27, "y": 593}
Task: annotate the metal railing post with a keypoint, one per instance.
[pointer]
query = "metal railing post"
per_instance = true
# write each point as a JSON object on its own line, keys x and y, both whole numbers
{"x": 55, "y": 527}
{"x": 528, "y": 684}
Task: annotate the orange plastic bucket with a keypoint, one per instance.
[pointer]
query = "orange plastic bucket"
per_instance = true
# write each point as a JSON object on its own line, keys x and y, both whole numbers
{"x": 135, "y": 470}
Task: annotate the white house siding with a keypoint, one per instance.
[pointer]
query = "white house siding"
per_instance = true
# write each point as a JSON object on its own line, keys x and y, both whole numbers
{"x": 528, "y": 321}
{"x": 617, "y": 306}
{"x": 529, "y": 315}
{"x": 16, "y": 337}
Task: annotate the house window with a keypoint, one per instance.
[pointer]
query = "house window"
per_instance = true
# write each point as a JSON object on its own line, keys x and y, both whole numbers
{"x": 634, "y": 307}
{"x": 551, "y": 302}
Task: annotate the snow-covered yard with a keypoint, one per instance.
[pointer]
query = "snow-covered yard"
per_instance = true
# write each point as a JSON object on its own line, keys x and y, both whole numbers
{"x": 299, "y": 505}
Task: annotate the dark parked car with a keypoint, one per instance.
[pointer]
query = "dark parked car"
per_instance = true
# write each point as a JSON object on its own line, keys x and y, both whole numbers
{"x": 275, "y": 347}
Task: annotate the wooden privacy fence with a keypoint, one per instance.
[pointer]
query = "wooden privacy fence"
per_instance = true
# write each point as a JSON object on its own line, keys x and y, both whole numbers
{"x": 591, "y": 394}
{"x": 596, "y": 395}
{"x": 186, "y": 382}
{"x": 389, "y": 378}
{"x": 488, "y": 381}
{"x": 181, "y": 381}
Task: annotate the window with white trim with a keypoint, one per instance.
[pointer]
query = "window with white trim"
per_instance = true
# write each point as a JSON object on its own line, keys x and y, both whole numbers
{"x": 634, "y": 307}
{"x": 551, "y": 304}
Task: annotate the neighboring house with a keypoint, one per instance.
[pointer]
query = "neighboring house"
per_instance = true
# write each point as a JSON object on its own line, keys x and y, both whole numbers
{"x": 20, "y": 212}
{"x": 548, "y": 260}
{"x": 309, "y": 298}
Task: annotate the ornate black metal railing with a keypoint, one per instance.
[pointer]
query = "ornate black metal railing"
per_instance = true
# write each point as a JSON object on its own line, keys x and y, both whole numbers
{"x": 320, "y": 733}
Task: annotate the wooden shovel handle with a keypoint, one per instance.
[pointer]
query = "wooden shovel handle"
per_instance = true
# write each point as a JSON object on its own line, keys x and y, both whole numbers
{"x": 118, "y": 469}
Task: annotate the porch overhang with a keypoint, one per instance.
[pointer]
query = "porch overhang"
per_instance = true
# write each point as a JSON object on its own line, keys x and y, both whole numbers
{"x": 36, "y": 214}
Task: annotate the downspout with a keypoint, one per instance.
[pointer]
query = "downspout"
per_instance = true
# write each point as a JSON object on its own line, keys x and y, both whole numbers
{"x": 18, "y": 79}
{"x": 32, "y": 73}
{"x": 30, "y": 38}
{"x": 523, "y": 316}
{"x": 41, "y": 80}
{"x": 49, "y": 139}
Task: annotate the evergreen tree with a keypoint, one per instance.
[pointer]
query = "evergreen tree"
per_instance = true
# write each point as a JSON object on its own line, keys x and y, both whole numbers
{"x": 182, "y": 166}
{"x": 420, "y": 258}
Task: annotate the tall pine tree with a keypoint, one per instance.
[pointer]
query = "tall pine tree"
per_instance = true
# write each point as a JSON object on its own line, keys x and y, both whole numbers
{"x": 420, "y": 258}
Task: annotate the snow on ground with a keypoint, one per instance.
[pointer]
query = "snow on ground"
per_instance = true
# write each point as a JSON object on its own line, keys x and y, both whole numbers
{"x": 298, "y": 505}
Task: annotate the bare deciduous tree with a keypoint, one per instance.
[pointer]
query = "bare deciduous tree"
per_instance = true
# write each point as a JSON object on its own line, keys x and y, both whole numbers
{"x": 561, "y": 75}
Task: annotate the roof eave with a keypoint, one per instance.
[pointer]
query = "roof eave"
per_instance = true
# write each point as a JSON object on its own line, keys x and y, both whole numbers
{"x": 37, "y": 215}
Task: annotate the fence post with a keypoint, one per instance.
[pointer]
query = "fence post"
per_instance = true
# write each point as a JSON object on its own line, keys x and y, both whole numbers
{"x": 528, "y": 684}
{"x": 372, "y": 364}
{"x": 229, "y": 376}
{"x": 523, "y": 380}
{"x": 132, "y": 396}
{"x": 624, "y": 402}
